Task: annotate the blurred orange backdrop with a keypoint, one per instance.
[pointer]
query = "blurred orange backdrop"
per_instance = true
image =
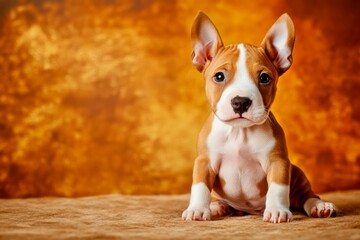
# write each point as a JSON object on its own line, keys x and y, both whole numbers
{"x": 100, "y": 97}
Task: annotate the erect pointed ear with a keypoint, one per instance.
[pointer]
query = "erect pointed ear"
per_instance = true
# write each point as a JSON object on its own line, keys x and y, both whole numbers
{"x": 279, "y": 42}
{"x": 205, "y": 41}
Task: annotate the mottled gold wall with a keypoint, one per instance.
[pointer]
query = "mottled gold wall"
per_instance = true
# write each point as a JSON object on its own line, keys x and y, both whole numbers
{"x": 100, "y": 97}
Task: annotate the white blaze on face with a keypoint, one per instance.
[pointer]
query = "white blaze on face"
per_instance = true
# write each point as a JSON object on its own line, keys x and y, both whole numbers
{"x": 242, "y": 86}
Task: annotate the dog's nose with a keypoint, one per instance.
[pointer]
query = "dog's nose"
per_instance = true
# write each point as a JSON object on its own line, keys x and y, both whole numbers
{"x": 240, "y": 104}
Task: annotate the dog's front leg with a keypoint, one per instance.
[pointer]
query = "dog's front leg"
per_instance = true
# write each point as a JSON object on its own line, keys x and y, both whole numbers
{"x": 278, "y": 195}
{"x": 203, "y": 181}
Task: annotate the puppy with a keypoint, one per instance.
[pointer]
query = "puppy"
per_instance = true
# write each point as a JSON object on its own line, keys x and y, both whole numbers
{"x": 242, "y": 164}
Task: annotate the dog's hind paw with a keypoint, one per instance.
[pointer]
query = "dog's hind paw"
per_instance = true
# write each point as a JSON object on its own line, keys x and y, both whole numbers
{"x": 319, "y": 209}
{"x": 219, "y": 209}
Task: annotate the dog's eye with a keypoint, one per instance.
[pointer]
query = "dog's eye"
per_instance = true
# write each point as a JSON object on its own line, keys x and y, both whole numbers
{"x": 219, "y": 77}
{"x": 264, "y": 79}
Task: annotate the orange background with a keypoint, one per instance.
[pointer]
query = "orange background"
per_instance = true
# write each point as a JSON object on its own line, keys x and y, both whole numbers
{"x": 100, "y": 97}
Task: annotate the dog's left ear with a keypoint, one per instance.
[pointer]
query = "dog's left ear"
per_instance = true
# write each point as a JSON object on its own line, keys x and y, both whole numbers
{"x": 279, "y": 42}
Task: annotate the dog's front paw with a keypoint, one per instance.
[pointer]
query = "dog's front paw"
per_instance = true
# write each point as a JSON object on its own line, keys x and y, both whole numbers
{"x": 277, "y": 215}
{"x": 196, "y": 214}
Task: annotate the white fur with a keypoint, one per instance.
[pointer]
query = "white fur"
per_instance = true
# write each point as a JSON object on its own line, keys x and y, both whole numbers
{"x": 277, "y": 203}
{"x": 239, "y": 157}
{"x": 200, "y": 195}
{"x": 278, "y": 195}
{"x": 242, "y": 78}
{"x": 199, "y": 207}
{"x": 242, "y": 86}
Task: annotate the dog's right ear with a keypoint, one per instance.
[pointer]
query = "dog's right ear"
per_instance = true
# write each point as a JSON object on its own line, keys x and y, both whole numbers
{"x": 205, "y": 41}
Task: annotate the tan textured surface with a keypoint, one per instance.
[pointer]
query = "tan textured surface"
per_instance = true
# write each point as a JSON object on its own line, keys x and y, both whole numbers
{"x": 158, "y": 217}
{"x": 100, "y": 97}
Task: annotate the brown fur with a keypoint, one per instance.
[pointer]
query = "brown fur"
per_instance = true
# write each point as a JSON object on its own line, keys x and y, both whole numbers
{"x": 257, "y": 64}
{"x": 224, "y": 60}
{"x": 202, "y": 171}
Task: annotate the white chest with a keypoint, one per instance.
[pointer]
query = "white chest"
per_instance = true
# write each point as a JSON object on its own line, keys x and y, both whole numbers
{"x": 239, "y": 157}
{"x": 239, "y": 145}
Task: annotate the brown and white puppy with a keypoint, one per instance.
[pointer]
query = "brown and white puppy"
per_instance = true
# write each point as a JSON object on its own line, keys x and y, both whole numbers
{"x": 242, "y": 164}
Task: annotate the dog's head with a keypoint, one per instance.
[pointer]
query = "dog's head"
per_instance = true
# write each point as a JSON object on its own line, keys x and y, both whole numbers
{"x": 240, "y": 78}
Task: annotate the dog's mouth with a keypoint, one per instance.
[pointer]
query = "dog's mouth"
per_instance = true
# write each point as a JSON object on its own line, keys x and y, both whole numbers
{"x": 243, "y": 121}
{"x": 257, "y": 116}
{"x": 236, "y": 118}
{"x": 240, "y": 122}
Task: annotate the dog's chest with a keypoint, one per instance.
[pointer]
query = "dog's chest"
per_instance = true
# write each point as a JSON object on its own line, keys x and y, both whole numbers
{"x": 239, "y": 157}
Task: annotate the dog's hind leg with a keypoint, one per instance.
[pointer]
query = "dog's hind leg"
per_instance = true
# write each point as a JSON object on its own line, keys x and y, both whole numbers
{"x": 304, "y": 199}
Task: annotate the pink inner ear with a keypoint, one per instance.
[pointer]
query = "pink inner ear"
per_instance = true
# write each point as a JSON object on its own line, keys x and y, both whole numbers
{"x": 207, "y": 50}
{"x": 278, "y": 43}
{"x": 202, "y": 55}
{"x": 270, "y": 51}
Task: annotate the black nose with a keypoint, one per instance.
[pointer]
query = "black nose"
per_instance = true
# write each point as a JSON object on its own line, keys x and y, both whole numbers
{"x": 240, "y": 104}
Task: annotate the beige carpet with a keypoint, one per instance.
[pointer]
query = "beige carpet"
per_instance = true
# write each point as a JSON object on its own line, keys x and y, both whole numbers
{"x": 158, "y": 217}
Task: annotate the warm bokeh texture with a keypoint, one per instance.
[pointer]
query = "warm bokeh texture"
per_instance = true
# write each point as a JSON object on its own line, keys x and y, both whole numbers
{"x": 100, "y": 97}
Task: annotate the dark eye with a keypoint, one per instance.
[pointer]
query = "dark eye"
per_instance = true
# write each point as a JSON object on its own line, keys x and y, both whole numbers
{"x": 219, "y": 77}
{"x": 264, "y": 79}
